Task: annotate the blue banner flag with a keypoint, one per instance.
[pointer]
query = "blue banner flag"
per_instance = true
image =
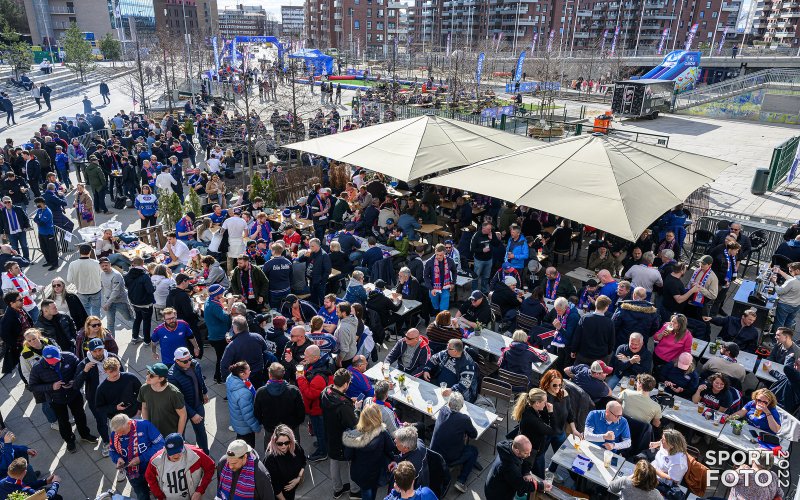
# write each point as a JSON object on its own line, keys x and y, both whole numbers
{"x": 479, "y": 69}
{"x": 520, "y": 62}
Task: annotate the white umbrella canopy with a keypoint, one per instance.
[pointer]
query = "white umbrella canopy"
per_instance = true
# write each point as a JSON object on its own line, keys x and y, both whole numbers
{"x": 616, "y": 185}
{"x": 416, "y": 147}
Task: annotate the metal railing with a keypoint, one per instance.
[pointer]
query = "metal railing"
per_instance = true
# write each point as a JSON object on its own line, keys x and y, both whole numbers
{"x": 771, "y": 230}
{"x": 782, "y": 161}
{"x": 785, "y": 79}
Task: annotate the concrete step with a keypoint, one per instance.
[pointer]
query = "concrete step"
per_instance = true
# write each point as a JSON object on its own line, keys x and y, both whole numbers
{"x": 71, "y": 86}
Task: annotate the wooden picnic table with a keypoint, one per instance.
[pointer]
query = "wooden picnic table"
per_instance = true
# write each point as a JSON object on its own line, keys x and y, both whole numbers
{"x": 141, "y": 250}
{"x": 429, "y": 228}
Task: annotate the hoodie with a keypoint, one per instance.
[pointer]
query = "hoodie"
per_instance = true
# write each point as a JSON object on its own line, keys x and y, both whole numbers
{"x": 519, "y": 357}
{"x": 340, "y": 415}
{"x": 421, "y": 356}
{"x": 278, "y": 402}
{"x": 346, "y": 334}
{"x": 505, "y": 478}
{"x": 369, "y": 453}
{"x": 140, "y": 287}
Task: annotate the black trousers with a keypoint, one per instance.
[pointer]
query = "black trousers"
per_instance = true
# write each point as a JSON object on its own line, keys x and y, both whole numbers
{"x": 249, "y": 438}
{"x": 142, "y": 319}
{"x": 62, "y": 411}
{"x": 47, "y": 242}
{"x": 219, "y": 349}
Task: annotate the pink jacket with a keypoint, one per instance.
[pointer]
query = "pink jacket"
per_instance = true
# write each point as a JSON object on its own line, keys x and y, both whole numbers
{"x": 668, "y": 348}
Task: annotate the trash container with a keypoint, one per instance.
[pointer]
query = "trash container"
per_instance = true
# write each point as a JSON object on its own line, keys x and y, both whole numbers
{"x": 760, "y": 181}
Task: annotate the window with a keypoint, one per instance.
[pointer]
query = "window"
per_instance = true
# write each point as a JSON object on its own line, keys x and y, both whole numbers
{"x": 369, "y": 25}
{"x": 380, "y": 26}
{"x": 708, "y": 35}
{"x": 538, "y": 8}
{"x": 379, "y": 37}
{"x": 356, "y": 25}
{"x": 369, "y": 37}
{"x": 708, "y": 5}
{"x": 702, "y": 14}
{"x": 392, "y": 26}
{"x": 350, "y": 12}
{"x": 369, "y": 12}
{"x": 380, "y": 12}
{"x": 714, "y": 15}
{"x": 704, "y": 24}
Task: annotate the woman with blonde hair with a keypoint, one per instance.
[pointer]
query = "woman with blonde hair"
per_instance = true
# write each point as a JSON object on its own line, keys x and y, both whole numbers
{"x": 93, "y": 329}
{"x": 286, "y": 462}
{"x": 670, "y": 460}
{"x": 641, "y": 485}
{"x": 761, "y": 411}
{"x": 535, "y": 417}
{"x": 370, "y": 449}
{"x": 66, "y": 299}
{"x": 552, "y": 382}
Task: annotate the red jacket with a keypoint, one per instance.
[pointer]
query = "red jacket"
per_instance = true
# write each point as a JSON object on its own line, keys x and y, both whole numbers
{"x": 197, "y": 460}
{"x": 317, "y": 378}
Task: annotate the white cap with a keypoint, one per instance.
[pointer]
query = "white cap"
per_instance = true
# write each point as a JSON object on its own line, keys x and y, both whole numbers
{"x": 510, "y": 280}
{"x": 182, "y": 352}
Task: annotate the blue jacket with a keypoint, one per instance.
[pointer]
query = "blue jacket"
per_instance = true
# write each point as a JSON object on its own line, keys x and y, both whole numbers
{"x": 240, "y": 406}
{"x": 54, "y": 202}
{"x": 520, "y": 250}
{"x": 356, "y": 293}
{"x": 787, "y": 387}
{"x": 519, "y": 357}
{"x": 348, "y": 242}
{"x": 44, "y": 219}
{"x": 150, "y": 443}
{"x": 194, "y": 402}
{"x": 359, "y": 384}
{"x": 250, "y": 347}
{"x": 449, "y": 432}
{"x": 418, "y": 361}
{"x": 218, "y": 322}
{"x": 9, "y": 486}
{"x": 421, "y": 493}
{"x": 670, "y": 372}
{"x": 409, "y": 225}
{"x": 8, "y": 452}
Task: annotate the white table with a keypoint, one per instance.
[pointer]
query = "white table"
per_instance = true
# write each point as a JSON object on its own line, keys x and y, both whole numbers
{"x": 598, "y": 474}
{"x": 408, "y": 306}
{"x": 463, "y": 280}
{"x": 746, "y": 359}
{"x": 582, "y": 274}
{"x": 744, "y": 441}
{"x": 481, "y": 418}
{"x": 627, "y": 469}
{"x": 701, "y": 347}
{"x": 687, "y": 415}
{"x": 764, "y": 375}
{"x": 489, "y": 341}
{"x": 364, "y": 246}
{"x": 418, "y": 392}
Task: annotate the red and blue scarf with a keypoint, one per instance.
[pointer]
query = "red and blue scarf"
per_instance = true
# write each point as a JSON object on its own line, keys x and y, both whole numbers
{"x": 551, "y": 287}
{"x": 388, "y": 405}
{"x": 132, "y": 450}
{"x": 698, "y": 300}
{"x": 250, "y": 386}
{"x": 245, "y": 486}
{"x": 730, "y": 271}
{"x": 250, "y": 293}
{"x": 262, "y": 231}
{"x": 438, "y": 281}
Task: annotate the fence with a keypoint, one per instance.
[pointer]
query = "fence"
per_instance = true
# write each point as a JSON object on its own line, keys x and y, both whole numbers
{"x": 781, "y": 162}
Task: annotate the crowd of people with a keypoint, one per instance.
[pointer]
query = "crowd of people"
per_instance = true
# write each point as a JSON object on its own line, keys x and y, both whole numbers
{"x": 296, "y": 317}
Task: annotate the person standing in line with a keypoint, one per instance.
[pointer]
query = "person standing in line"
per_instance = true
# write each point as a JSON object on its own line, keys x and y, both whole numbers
{"x": 147, "y": 206}
{"x": 162, "y": 402}
{"x": 84, "y": 273}
{"x": 170, "y": 335}
{"x": 141, "y": 295}
{"x": 14, "y": 280}
{"x": 13, "y": 223}
{"x": 187, "y": 376}
{"x": 179, "y": 471}
{"x": 115, "y": 296}
{"x": 133, "y": 444}
{"x": 241, "y": 393}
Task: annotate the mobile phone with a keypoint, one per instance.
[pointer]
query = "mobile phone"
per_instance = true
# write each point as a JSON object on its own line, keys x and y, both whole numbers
{"x": 754, "y": 433}
{"x": 614, "y": 461}
{"x": 360, "y": 397}
{"x": 125, "y": 405}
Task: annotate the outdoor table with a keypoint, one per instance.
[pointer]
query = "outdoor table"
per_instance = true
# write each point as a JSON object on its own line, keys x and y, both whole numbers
{"x": 581, "y": 274}
{"x": 364, "y": 246}
{"x": 489, "y": 341}
{"x": 408, "y": 306}
{"x": 397, "y": 193}
{"x": 700, "y": 349}
{"x": 746, "y": 359}
{"x": 688, "y": 416}
{"x": 481, "y": 418}
{"x": 765, "y": 375}
{"x": 744, "y": 441}
{"x": 740, "y": 303}
{"x": 598, "y": 474}
{"x": 141, "y": 250}
{"x": 429, "y": 228}
{"x": 462, "y": 280}
{"x": 417, "y": 393}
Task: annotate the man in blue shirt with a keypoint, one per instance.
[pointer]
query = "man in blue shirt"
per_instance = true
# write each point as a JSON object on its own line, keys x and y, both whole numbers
{"x": 328, "y": 313}
{"x": 172, "y": 334}
{"x": 278, "y": 271}
{"x": 47, "y": 235}
{"x": 608, "y": 428}
{"x": 373, "y": 253}
{"x": 218, "y": 215}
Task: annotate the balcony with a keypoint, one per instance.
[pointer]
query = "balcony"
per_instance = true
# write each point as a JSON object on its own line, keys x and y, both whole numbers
{"x": 584, "y": 13}
{"x": 730, "y": 8}
{"x": 62, "y": 9}
{"x": 337, "y": 16}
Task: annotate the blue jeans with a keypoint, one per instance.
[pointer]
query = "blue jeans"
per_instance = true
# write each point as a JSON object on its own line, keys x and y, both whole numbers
{"x": 368, "y": 494}
{"x": 34, "y": 314}
{"x": 785, "y": 315}
{"x": 113, "y": 309}
{"x": 117, "y": 259}
{"x": 49, "y": 413}
{"x": 555, "y": 441}
{"x": 275, "y": 298}
{"x": 318, "y": 424}
{"x": 140, "y": 487}
{"x": 468, "y": 459}
{"x": 19, "y": 242}
{"x": 538, "y": 465}
{"x": 613, "y": 380}
{"x": 91, "y": 303}
{"x": 440, "y": 301}
{"x": 102, "y": 422}
{"x": 355, "y": 256}
{"x": 483, "y": 269}
{"x": 200, "y": 430}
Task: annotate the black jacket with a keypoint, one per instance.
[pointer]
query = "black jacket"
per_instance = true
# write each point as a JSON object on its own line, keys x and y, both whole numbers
{"x": 61, "y": 329}
{"x": 340, "y": 415}
{"x": 505, "y": 298}
{"x": 320, "y": 267}
{"x": 278, "y": 402}
{"x": 413, "y": 289}
{"x": 505, "y": 478}
{"x": 635, "y": 316}
{"x": 537, "y": 426}
{"x": 369, "y": 453}
{"x": 43, "y": 376}
{"x": 92, "y": 379}
{"x": 382, "y": 305}
{"x": 13, "y": 189}
{"x": 183, "y": 382}
{"x": 140, "y": 288}
{"x": 594, "y": 337}
{"x": 179, "y": 300}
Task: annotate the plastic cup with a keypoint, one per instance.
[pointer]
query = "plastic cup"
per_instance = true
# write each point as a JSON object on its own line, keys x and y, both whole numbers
{"x": 660, "y": 389}
{"x": 676, "y": 405}
{"x": 429, "y": 405}
{"x": 716, "y": 419}
{"x": 576, "y": 442}
{"x": 701, "y": 408}
{"x": 548, "y": 479}
{"x": 694, "y": 345}
{"x": 632, "y": 382}
{"x": 766, "y": 365}
{"x": 607, "y": 455}
{"x": 300, "y": 369}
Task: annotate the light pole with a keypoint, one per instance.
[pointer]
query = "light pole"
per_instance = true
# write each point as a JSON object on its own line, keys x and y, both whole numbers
{"x": 187, "y": 40}
{"x": 516, "y": 28}
{"x": 716, "y": 28}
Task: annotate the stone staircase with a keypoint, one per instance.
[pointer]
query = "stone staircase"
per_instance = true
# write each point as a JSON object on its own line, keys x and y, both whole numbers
{"x": 62, "y": 80}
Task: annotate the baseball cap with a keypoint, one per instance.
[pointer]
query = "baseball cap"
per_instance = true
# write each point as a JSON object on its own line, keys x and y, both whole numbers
{"x": 182, "y": 352}
{"x": 510, "y": 280}
{"x": 732, "y": 348}
{"x": 600, "y": 367}
{"x": 261, "y": 318}
{"x": 684, "y": 360}
{"x": 591, "y": 283}
{"x": 238, "y": 448}
{"x": 96, "y": 344}
{"x": 706, "y": 259}
{"x": 507, "y": 266}
{"x": 389, "y": 221}
{"x": 286, "y": 212}
{"x": 180, "y": 278}
{"x": 476, "y": 295}
{"x": 51, "y": 354}
{"x": 158, "y": 369}
{"x": 174, "y": 444}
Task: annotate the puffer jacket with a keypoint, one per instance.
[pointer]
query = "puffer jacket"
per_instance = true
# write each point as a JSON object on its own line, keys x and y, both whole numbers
{"x": 184, "y": 382}
{"x": 340, "y": 415}
{"x": 60, "y": 328}
{"x": 369, "y": 454}
{"x": 635, "y": 316}
{"x": 311, "y": 385}
{"x": 140, "y": 287}
{"x": 519, "y": 358}
{"x": 240, "y": 406}
{"x": 43, "y": 376}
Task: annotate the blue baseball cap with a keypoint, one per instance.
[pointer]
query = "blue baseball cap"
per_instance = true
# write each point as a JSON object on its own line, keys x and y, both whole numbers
{"x": 51, "y": 354}
{"x": 173, "y": 444}
{"x": 507, "y": 266}
{"x": 96, "y": 344}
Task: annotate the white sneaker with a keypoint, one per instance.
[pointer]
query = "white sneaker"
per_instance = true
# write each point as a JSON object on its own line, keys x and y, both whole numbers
{"x": 104, "y": 449}
{"x": 54, "y": 426}
{"x": 230, "y": 428}
{"x": 460, "y": 487}
{"x": 71, "y": 420}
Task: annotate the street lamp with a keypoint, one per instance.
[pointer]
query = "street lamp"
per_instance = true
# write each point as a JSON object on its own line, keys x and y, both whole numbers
{"x": 187, "y": 40}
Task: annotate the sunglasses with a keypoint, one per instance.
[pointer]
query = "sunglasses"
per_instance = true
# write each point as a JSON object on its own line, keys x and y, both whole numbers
{"x": 182, "y": 361}
{"x": 95, "y": 325}
{"x": 282, "y": 443}
{"x": 618, "y": 416}
{"x": 556, "y": 385}
{"x": 762, "y": 402}
{"x": 57, "y": 285}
